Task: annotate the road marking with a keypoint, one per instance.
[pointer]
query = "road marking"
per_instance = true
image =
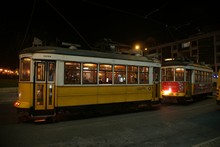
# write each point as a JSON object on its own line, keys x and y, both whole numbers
{"x": 210, "y": 143}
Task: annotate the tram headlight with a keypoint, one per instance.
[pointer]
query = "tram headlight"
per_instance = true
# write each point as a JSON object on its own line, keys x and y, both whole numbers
{"x": 167, "y": 92}
{"x": 17, "y": 104}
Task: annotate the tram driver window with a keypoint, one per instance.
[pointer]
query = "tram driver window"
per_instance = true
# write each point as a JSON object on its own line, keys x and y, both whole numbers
{"x": 25, "y": 69}
{"x": 179, "y": 74}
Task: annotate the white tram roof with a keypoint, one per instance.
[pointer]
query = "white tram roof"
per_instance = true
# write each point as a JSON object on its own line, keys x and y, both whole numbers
{"x": 85, "y": 53}
{"x": 176, "y": 63}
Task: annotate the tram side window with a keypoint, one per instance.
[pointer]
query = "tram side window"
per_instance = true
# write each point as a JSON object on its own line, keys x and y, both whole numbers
{"x": 144, "y": 75}
{"x": 209, "y": 76}
{"x": 132, "y": 74}
{"x": 202, "y": 76}
{"x": 89, "y": 73}
{"x": 105, "y": 74}
{"x": 199, "y": 76}
{"x": 72, "y": 73}
{"x": 196, "y": 76}
{"x": 25, "y": 65}
{"x": 179, "y": 74}
{"x": 205, "y": 76}
{"x": 119, "y": 74}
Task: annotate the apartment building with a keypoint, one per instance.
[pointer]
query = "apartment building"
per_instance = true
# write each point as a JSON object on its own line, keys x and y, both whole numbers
{"x": 202, "y": 48}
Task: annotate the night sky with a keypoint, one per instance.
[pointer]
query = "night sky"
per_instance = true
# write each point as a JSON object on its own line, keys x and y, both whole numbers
{"x": 88, "y": 21}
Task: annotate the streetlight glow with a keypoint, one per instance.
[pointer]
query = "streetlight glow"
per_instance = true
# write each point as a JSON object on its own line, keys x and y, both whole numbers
{"x": 137, "y": 47}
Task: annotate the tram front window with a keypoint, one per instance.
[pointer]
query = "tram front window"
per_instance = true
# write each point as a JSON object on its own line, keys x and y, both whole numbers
{"x": 179, "y": 74}
{"x": 168, "y": 74}
{"x": 25, "y": 66}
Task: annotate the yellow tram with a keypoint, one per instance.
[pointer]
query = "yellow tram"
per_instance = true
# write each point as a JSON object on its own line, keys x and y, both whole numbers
{"x": 184, "y": 80}
{"x": 53, "y": 79}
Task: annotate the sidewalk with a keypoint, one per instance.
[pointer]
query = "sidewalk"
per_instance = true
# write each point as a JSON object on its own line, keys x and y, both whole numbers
{"x": 8, "y": 95}
{"x": 9, "y": 89}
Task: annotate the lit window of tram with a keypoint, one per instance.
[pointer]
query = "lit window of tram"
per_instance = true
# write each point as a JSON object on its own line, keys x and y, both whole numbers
{"x": 89, "y": 73}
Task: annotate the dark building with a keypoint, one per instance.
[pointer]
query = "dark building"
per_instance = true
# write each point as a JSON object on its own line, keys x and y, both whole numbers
{"x": 201, "y": 48}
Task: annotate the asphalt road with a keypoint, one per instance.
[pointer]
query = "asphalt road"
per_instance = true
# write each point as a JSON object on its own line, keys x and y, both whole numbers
{"x": 196, "y": 124}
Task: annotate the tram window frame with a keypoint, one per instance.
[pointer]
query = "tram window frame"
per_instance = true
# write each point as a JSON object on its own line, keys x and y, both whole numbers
{"x": 51, "y": 73}
{"x": 132, "y": 74}
{"x": 202, "y": 76}
{"x": 25, "y": 68}
{"x": 209, "y": 77}
{"x": 179, "y": 74}
{"x": 89, "y": 73}
{"x": 205, "y": 76}
{"x": 40, "y": 71}
{"x": 196, "y": 75}
{"x": 170, "y": 74}
{"x": 105, "y": 73}
{"x": 199, "y": 76}
{"x": 119, "y": 70}
{"x": 143, "y": 75}
{"x": 72, "y": 72}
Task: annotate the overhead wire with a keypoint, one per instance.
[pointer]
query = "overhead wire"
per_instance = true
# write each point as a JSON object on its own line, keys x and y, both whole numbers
{"x": 69, "y": 24}
{"x": 164, "y": 25}
{"x": 28, "y": 25}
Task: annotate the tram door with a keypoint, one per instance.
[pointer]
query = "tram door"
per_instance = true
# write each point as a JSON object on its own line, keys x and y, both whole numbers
{"x": 44, "y": 81}
{"x": 156, "y": 80}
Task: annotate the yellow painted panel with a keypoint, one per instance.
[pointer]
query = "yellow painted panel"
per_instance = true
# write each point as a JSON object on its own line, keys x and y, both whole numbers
{"x": 116, "y": 98}
{"x": 111, "y": 94}
{"x": 118, "y": 90}
{"x": 73, "y": 96}
{"x": 25, "y": 93}
{"x": 132, "y": 89}
{"x": 76, "y": 90}
{"x": 77, "y": 100}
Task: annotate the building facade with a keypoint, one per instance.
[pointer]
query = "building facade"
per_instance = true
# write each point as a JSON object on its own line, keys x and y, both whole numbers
{"x": 202, "y": 48}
